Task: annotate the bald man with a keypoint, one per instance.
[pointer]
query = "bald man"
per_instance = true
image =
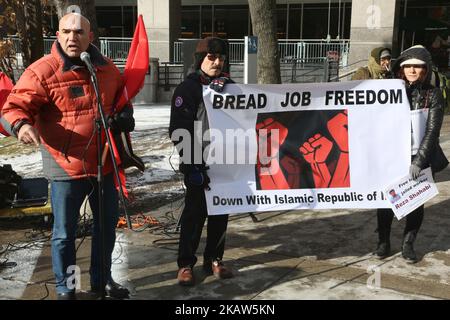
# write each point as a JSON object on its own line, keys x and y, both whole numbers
{"x": 74, "y": 35}
{"x": 53, "y": 106}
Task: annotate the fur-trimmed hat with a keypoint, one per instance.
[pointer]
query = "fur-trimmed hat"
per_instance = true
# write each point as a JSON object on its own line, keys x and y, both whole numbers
{"x": 209, "y": 45}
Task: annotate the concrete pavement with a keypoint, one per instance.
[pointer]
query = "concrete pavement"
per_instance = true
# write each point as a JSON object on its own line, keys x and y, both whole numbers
{"x": 284, "y": 255}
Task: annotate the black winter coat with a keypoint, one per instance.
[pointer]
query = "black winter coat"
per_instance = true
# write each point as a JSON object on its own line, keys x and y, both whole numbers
{"x": 430, "y": 152}
{"x": 424, "y": 95}
{"x": 187, "y": 107}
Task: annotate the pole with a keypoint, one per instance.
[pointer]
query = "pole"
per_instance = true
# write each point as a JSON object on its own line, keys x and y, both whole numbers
{"x": 101, "y": 210}
{"x": 101, "y": 122}
{"x": 113, "y": 159}
{"x": 403, "y": 31}
{"x": 87, "y": 61}
{"x": 329, "y": 13}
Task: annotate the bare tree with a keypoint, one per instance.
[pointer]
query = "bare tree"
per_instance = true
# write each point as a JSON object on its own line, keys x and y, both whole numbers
{"x": 87, "y": 8}
{"x": 263, "y": 14}
{"x": 29, "y": 29}
{"x": 23, "y": 18}
{"x": 7, "y": 52}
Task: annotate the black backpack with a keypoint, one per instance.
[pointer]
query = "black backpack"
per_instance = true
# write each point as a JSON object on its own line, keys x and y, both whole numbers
{"x": 9, "y": 185}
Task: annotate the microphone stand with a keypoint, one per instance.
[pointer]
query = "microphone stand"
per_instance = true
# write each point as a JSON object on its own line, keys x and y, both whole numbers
{"x": 101, "y": 210}
{"x": 99, "y": 122}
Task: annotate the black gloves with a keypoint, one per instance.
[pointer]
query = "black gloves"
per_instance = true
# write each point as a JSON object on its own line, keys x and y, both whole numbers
{"x": 414, "y": 171}
{"x": 218, "y": 84}
{"x": 122, "y": 121}
{"x": 197, "y": 177}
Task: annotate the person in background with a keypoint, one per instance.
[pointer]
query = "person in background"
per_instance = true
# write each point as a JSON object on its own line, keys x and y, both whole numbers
{"x": 378, "y": 66}
{"x": 187, "y": 108}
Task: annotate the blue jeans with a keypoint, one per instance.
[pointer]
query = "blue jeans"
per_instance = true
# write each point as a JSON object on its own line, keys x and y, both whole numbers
{"x": 67, "y": 198}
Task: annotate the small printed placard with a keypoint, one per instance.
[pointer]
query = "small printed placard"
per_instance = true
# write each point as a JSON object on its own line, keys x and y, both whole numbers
{"x": 407, "y": 194}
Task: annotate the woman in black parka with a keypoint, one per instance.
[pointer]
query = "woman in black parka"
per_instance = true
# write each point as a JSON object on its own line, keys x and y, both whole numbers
{"x": 414, "y": 66}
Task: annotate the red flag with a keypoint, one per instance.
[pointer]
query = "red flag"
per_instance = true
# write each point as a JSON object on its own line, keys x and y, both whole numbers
{"x": 137, "y": 64}
{"x": 121, "y": 172}
{"x": 5, "y": 88}
{"x": 134, "y": 75}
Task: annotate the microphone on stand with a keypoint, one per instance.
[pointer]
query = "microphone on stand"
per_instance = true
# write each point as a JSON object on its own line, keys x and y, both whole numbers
{"x": 99, "y": 122}
{"x": 86, "y": 58}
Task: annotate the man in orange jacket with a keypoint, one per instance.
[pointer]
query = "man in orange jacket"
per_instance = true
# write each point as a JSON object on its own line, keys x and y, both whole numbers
{"x": 53, "y": 105}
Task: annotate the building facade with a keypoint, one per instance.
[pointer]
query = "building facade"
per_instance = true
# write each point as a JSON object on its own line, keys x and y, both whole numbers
{"x": 367, "y": 23}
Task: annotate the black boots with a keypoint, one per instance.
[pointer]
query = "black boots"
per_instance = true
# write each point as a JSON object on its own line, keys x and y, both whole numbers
{"x": 413, "y": 223}
{"x": 384, "y": 221}
{"x": 384, "y": 242}
{"x": 112, "y": 290}
{"x": 383, "y": 250}
{"x": 408, "y": 252}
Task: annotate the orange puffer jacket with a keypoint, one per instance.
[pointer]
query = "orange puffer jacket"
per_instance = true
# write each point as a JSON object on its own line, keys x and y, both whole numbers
{"x": 57, "y": 97}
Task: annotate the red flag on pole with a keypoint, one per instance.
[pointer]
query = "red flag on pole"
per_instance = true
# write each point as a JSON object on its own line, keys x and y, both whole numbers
{"x": 135, "y": 70}
{"x": 137, "y": 64}
{"x": 5, "y": 88}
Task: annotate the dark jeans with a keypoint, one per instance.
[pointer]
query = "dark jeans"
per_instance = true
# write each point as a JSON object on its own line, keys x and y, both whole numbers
{"x": 413, "y": 221}
{"x": 192, "y": 222}
{"x": 67, "y": 198}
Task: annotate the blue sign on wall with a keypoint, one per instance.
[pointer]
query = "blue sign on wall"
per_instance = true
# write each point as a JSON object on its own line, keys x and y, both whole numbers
{"x": 252, "y": 45}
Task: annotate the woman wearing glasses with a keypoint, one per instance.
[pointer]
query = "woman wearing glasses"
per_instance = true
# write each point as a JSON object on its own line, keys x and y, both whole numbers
{"x": 414, "y": 66}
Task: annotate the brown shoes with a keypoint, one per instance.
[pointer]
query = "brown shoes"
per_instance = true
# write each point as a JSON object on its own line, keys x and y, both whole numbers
{"x": 217, "y": 268}
{"x": 185, "y": 276}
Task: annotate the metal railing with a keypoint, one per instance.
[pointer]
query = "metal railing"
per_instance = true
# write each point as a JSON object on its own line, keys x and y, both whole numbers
{"x": 114, "y": 48}
{"x": 304, "y": 70}
{"x": 48, "y": 42}
{"x": 289, "y": 49}
{"x": 236, "y": 52}
{"x": 178, "y": 51}
{"x": 117, "y": 49}
{"x": 292, "y": 71}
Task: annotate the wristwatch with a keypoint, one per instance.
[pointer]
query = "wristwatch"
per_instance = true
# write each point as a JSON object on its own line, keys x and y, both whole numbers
{"x": 18, "y": 125}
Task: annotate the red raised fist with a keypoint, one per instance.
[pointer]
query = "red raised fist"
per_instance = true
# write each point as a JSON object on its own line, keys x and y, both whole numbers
{"x": 338, "y": 127}
{"x": 316, "y": 149}
{"x": 271, "y": 176}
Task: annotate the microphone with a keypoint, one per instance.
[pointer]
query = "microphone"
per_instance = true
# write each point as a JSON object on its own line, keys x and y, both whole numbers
{"x": 86, "y": 58}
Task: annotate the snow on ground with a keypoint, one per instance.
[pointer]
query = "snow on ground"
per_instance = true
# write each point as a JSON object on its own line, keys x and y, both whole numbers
{"x": 26, "y": 165}
{"x": 157, "y": 185}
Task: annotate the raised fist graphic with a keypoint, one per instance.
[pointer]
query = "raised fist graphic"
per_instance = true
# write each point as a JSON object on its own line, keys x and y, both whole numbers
{"x": 316, "y": 149}
{"x": 338, "y": 127}
{"x": 271, "y": 177}
{"x": 265, "y": 130}
{"x": 292, "y": 169}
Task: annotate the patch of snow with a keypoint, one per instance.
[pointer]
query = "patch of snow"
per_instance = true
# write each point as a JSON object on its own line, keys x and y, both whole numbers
{"x": 26, "y": 165}
{"x": 13, "y": 281}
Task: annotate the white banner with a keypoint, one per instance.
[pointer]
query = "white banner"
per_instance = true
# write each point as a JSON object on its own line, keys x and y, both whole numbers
{"x": 406, "y": 194}
{"x": 306, "y": 146}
